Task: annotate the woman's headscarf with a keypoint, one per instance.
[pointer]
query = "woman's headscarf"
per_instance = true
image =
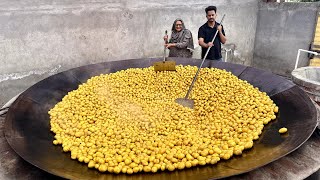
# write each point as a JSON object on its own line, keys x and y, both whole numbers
{"x": 176, "y": 36}
{"x": 174, "y": 25}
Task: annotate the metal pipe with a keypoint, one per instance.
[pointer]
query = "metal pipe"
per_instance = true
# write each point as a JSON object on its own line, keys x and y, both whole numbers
{"x": 226, "y": 57}
{"x": 303, "y": 50}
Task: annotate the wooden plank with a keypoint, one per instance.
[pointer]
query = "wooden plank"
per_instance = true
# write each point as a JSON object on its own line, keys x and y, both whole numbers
{"x": 315, "y": 46}
{"x": 314, "y": 62}
{"x": 316, "y": 49}
{"x": 314, "y": 65}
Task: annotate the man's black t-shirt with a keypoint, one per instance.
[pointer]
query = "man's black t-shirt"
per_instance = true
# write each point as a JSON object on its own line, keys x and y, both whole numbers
{"x": 207, "y": 33}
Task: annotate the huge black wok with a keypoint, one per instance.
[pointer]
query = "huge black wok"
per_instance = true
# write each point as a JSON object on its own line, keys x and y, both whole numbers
{"x": 27, "y": 127}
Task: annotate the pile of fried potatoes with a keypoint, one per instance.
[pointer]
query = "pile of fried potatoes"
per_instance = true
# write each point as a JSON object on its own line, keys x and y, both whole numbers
{"x": 128, "y": 121}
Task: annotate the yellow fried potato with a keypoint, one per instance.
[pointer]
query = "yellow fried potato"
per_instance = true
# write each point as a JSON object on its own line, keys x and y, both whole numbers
{"x": 283, "y": 130}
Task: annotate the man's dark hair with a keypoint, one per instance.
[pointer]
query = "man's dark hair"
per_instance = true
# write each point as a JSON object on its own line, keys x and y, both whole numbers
{"x": 210, "y": 8}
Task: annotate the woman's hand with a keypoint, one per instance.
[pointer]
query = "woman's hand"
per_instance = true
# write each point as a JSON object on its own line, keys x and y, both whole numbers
{"x": 169, "y": 45}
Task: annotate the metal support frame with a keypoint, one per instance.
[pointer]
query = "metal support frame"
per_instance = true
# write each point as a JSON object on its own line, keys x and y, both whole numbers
{"x": 226, "y": 56}
{"x": 298, "y": 55}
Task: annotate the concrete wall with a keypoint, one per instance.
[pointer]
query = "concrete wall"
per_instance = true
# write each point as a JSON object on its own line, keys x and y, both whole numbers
{"x": 282, "y": 29}
{"x": 41, "y": 38}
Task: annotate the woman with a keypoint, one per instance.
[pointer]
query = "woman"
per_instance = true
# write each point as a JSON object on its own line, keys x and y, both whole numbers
{"x": 181, "y": 42}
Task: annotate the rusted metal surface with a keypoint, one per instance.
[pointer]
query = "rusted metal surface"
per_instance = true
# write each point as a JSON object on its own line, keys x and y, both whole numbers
{"x": 27, "y": 128}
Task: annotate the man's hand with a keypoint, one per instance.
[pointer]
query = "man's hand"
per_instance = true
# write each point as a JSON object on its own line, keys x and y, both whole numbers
{"x": 220, "y": 28}
{"x": 210, "y": 44}
{"x": 205, "y": 45}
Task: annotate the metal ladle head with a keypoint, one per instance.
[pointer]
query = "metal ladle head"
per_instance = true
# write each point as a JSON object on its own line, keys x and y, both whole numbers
{"x": 185, "y": 102}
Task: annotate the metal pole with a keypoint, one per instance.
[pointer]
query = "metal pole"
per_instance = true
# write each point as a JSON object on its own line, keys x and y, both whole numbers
{"x": 204, "y": 58}
{"x": 298, "y": 55}
{"x": 226, "y": 56}
{"x": 227, "y": 50}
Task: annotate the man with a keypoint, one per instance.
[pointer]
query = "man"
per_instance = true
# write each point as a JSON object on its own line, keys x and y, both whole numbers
{"x": 206, "y": 33}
